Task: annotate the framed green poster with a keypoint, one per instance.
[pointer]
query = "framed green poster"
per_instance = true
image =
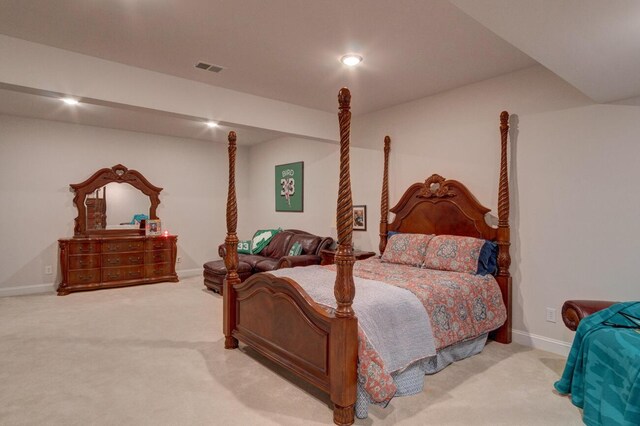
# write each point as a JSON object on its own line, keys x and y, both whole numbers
{"x": 290, "y": 187}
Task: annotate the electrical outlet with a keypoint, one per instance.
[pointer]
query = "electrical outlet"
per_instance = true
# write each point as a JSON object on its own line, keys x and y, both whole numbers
{"x": 179, "y": 259}
{"x": 551, "y": 315}
{"x": 48, "y": 270}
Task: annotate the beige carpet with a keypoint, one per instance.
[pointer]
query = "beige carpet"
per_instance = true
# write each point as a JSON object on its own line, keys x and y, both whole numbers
{"x": 153, "y": 355}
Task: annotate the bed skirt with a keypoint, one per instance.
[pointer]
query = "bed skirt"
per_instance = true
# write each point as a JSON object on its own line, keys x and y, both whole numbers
{"x": 410, "y": 381}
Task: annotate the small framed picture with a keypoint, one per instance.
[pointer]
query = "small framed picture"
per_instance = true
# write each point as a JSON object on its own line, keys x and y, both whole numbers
{"x": 359, "y": 218}
{"x": 153, "y": 227}
{"x": 289, "y": 186}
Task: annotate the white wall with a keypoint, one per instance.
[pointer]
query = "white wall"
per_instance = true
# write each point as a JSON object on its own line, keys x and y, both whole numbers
{"x": 320, "y": 185}
{"x": 39, "y": 159}
{"x": 321, "y": 168}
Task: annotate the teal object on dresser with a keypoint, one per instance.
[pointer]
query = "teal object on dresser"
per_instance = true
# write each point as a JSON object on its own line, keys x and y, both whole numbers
{"x": 603, "y": 369}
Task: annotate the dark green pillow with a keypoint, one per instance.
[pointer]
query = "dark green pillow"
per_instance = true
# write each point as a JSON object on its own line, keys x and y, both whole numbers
{"x": 262, "y": 238}
{"x": 244, "y": 247}
{"x": 296, "y": 249}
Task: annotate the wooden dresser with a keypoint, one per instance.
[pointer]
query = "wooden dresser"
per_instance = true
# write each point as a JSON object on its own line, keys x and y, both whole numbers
{"x": 94, "y": 262}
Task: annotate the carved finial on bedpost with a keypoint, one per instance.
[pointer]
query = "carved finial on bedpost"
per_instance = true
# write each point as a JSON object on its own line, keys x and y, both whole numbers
{"x": 384, "y": 198}
{"x": 344, "y": 289}
{"x": 231, "y": 256}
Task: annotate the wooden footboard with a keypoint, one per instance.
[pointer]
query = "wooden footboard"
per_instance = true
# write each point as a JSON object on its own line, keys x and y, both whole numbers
{"x": 278, "y": 319}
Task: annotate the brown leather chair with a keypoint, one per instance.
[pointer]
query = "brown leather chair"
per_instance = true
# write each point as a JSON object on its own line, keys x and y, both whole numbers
{"x": 573, "y": 311}
{"x": 273, "y": 256}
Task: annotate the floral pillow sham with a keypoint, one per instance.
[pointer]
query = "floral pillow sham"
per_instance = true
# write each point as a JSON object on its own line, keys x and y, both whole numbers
{"x": 406, "y": 249}
{"x": 460, "y": 254}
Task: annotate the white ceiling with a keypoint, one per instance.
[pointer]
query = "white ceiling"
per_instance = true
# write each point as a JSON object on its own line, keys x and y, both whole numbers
{"x": 280, "y": 49}
{"x": 289, "y": 50}
{"x": 16, "y": 101}
{"x": 592, "y": 44}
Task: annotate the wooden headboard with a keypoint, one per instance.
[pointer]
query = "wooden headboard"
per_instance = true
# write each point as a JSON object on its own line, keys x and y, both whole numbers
{"x": 442, "y": 207}
{"x": 446, "y": 207}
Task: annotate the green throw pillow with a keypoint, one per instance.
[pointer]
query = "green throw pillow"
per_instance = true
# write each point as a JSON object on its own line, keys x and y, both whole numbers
{"x": 244, "y": 247}
{"x": 262, "y": 238}
{"x": 296, "y": 249}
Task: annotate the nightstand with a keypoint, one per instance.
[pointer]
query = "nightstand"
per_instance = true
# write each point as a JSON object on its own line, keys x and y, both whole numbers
{"x": 328, "y": 255}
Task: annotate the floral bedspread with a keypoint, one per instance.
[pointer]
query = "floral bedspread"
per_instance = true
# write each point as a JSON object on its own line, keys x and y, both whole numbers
{"x": 461, "y": 306}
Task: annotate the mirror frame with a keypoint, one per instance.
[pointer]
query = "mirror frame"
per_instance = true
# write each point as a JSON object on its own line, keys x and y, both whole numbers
{"x": 118, "y": 174}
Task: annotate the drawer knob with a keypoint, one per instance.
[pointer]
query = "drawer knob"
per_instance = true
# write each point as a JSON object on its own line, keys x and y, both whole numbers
{"x": 115, "y": 261}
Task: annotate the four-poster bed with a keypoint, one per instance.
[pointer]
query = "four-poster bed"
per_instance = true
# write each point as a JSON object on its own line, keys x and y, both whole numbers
{"x": 320, "y": 343}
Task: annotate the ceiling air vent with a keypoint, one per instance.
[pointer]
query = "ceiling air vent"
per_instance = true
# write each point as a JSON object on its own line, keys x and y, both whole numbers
{"x": 209, "y": 67}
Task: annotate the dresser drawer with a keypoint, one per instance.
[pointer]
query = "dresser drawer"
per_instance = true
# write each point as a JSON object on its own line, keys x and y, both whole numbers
{"x": 84, "y": 261}
{"x": 122, "y": 259}
{"x": 124, "y": 273}
{"x": 122, "y": 245}
{"x": 160, "y": 243}
{"x": 157, "y": 270}
{"x": 85, "y": 276}
{"x": 84, "y": 248}
{"x": 158, "y": 256}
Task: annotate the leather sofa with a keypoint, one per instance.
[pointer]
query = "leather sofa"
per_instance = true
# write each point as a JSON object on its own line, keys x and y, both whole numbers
{"x": 573, "y": 311}
{"x": 273, "y": 256}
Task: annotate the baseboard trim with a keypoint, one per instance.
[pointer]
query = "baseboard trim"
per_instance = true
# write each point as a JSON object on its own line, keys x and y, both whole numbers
{"x": 186, "y": 273}
{"x": 51, "y": 287}
{"x": 27, "y": 289}
{"x": 540, "y": 342}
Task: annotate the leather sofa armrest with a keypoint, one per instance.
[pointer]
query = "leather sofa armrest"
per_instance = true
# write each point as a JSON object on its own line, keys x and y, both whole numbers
{"x": 302, "y": 260}
{"x": 326, "y": 243}
{"x": 573, "y": 311}
{"x": 222, "y": 250}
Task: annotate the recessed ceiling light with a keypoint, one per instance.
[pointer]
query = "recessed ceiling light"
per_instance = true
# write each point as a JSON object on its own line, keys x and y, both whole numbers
{"x": 351, "y": 59}
{"x": 70, "y": 101}
{"x": 212, "y": 124}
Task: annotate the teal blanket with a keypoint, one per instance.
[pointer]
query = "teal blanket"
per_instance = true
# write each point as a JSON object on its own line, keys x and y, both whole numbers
{"x": 603, "y": 369}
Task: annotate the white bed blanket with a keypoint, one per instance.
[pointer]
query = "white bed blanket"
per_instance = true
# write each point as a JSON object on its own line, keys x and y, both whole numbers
{"x": 393, "y": 319}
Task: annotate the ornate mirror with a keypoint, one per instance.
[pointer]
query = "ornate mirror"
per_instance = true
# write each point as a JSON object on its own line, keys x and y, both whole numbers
{"x": 113, "y": 200}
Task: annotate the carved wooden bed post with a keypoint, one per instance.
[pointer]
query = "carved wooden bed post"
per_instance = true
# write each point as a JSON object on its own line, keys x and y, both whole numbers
{"x": 384, "y": 199}
{"x": 503, "y": 334}
{"x": 344, "y": 359}
{"x": 231, "y": 257}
